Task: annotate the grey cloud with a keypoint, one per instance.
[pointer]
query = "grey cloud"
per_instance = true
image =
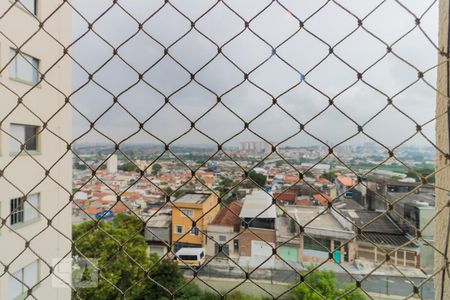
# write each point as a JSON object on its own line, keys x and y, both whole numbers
{"x": 303, "y": 51}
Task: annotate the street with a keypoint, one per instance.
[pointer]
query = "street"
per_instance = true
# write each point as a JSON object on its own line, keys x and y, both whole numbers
{"x": 283, "y": 279}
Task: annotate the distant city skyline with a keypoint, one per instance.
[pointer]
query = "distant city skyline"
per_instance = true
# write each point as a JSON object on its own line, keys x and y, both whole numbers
{"x": 235, "y": 144}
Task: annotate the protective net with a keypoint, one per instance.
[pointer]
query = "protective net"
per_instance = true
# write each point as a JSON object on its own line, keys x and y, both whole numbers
{"x": 271, "y": 144}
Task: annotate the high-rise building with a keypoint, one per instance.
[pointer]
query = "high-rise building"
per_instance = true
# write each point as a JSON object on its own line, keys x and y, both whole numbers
{"x": 111, "y": 164}
{"x": 255, "y": 146}
{"x": 36, "y": 167}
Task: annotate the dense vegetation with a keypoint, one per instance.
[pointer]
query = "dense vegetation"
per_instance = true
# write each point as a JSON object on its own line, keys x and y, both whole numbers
{"x": 127, "y": 167}
{"x": 325, "y": 283}
{"x": 258, "y": 178}
{"x": 331, "y": 176}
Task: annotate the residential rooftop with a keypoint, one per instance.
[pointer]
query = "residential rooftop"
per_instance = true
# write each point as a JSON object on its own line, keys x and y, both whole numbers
{"x": 347, "y": 204}
{"x": 159, "y": 221}
{"x": 347, "y": 181}
{"x": 190, "y": 251}
{"x": 194, "y": 198}
{"x": 412, "y": 198}
{"x": 314, "y": 217}
{"x": 372, "y": 221}
{"x": 229, "y": 216}
{"x": 258, "y": 205}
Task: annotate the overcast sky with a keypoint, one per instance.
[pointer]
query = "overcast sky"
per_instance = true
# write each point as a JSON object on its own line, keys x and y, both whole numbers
{"x": 303, "y": 51}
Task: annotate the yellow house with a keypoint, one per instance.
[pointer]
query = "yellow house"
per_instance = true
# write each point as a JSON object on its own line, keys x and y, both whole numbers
{"x": 199, "y": 207}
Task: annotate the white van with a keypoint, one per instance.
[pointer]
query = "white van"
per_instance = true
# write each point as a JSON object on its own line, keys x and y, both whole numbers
{"x": 190, "y": 257}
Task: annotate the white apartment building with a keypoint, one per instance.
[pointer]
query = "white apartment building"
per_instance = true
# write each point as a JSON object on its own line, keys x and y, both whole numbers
{"x": 24, "y": 185}
{"x": 112, "y": 164}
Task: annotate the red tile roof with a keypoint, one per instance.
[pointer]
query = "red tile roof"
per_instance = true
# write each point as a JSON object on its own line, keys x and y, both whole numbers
{"x": 92, "y": 210}
{"x": 119, "y": 208}
{"x": 324, "y": 181}
{"x": 347, "y": 181}
{"x": 100, "y": 195}
{"x": 291, "y": 179}
{"x": 285, "y": 196}
{"x": 229, "y": 216}
{"x": 209, "y": 180}
{"x": 304, "y": 202}
{"x": 322, "y": 199}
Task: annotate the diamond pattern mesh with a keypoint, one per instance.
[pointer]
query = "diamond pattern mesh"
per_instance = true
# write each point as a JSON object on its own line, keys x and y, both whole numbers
{"x": 175, "y": 73}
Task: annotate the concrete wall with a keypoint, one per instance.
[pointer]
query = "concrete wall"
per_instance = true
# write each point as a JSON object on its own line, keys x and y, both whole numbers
{"x": 24, "y": 172}
{"x": 246, "y": 237}
{"x": 215, "y": 231}
{"x": 426, "y": 216}
{"x": 401, "y": 257}
{"x": 442, "y": 159}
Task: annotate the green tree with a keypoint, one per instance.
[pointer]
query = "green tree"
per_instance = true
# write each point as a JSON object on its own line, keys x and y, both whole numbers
{"x": 422, "y": 172}
{"x": 225, "y": 184}
{"x": 79, "y": 166}
{"x": 119, "y": 251}
{"x": 156, "y": 168}
{"x": 259, "y": 178}
{"x": 130, "y": 223}
{"x": 178, "y": 193}
{"x": 241, "y": 296}
{"x": 169, "y": 276}
{"x": 324, "y": 283}
{"x": 127, "y": 167}
{"x": 192, "y": 291}
{"x": 353, "y": 294}
{"x": 168, "y": 190}
{"x": 123, "y": 260}
{"x": 329, "y": 176}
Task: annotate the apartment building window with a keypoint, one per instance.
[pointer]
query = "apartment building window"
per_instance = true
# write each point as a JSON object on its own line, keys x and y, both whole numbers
{"x": 195, "y": 231}
{"x": 29, "y": 5}
{"x": 23, "y": 135}
{"x": 187, "y": 212}
{"x": 179, "y": 229}
{"x": 24, "y": 68}
{"x": 25, "y": 279}
{"x": 222, "y": 238}
{"x": 23, "y": 211}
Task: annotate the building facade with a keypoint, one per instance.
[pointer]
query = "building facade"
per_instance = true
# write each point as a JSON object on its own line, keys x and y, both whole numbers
{"x": 257, "y": 237}
{"x": 36, "y": 177}
{"x": 157, "y": 232}
{"x": 223, "y": 230}
{"x": 112, "y": 164}
{"x": 322, "y": 235}
{"x": 200, "y": 208}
